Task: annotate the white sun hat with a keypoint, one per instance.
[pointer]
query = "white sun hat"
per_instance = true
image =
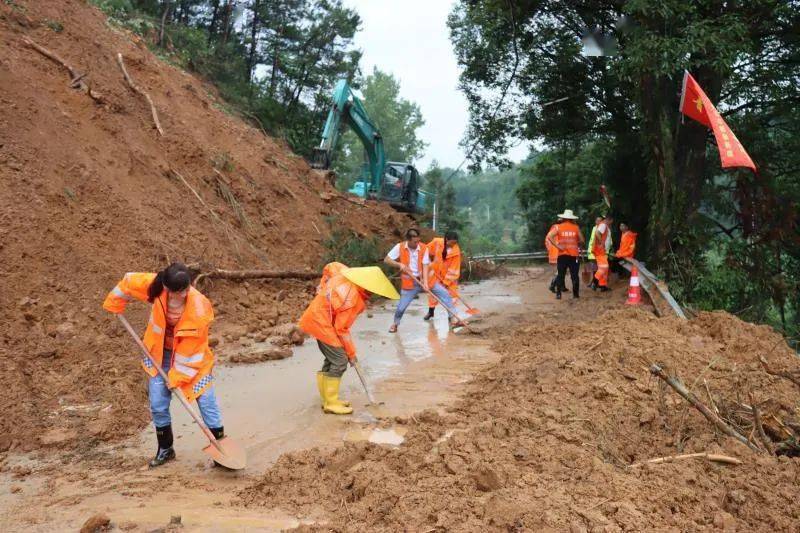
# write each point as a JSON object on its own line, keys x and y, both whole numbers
{"x": 568, "y": 214}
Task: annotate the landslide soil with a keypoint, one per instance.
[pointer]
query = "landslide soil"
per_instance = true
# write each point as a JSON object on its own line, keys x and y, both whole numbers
{"x": 542, "y": 440}
{"x": 90, "y": 191}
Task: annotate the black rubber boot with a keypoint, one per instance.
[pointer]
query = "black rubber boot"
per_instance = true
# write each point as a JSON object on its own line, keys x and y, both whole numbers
{"x": 165, "y": 451}
{"x": 430, "y": 313}
{"x": 553, "y": 284}
{"x": 218, "y": 434}
{"x": 605, "y": 289}
{"x": 558, "y": 293}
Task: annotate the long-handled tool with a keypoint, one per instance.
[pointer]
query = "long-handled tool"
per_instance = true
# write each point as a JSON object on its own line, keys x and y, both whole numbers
{"x": 449, "y": 310}
{"x": 471, "y": 310}
{"x": 360, "y": 373}
{"x": 224, "y": 451}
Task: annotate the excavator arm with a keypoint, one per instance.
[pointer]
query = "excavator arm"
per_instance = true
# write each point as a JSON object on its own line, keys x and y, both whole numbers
{"x": 348, "y": 109}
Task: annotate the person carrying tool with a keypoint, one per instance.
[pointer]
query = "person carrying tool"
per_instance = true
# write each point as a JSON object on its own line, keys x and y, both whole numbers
{"x": 566, "y": 236}
{"x": 552, "y": 258}
{"x": 590, "y": 251}
{"x": 329, "y": 317}
{"x": 601, "y": 235}
{"x": 412, "y": 259}
{"x": 177, "y": 339}
{"x": 445, "y": 256}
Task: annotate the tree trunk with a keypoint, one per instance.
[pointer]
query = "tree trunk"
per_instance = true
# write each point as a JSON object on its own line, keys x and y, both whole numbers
{"x": 212, "y": 26}
{"x": 678, "y": 159}
{"x": 167, "y": 8}
{"x": 251, "y": 56}
{"x": 226, "y": 21}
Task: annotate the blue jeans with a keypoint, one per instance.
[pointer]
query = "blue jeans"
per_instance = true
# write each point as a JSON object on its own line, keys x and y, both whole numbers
{"x": 407, "y": 295}
{"x": 160, "y": 396}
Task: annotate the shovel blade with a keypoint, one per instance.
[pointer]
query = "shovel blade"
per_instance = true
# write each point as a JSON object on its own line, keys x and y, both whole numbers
{"x": 232, "y": 455}
{"x": 472, "y": 311}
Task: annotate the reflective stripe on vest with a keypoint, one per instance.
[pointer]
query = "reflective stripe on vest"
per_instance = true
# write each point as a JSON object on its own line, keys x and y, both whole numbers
{"x": 116, "y": 291}
{"x": 183, "y": 369}
{"x": 188, "y": 359}
{"x": 205, "y": 380}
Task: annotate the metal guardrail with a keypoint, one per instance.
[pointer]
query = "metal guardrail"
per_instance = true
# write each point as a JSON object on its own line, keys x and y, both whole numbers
{"x": 648, "y": 280}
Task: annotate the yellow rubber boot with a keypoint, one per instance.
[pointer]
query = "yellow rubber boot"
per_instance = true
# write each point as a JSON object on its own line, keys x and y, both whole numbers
{"x": 332, "y": 403}
{"x": 321, "y": 388}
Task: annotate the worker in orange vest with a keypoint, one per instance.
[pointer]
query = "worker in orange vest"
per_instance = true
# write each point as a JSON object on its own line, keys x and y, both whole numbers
{"x": 552, "y": 258}
{"x": 412, "y": 259}
{"x": 177, "y": 339}
{"x": 566, "y": 236}
{"x": 445, "y": 255}
{"x": 602, "y": 231}
{"x": 627, "y": 243}
{"x": 330, "y": 315}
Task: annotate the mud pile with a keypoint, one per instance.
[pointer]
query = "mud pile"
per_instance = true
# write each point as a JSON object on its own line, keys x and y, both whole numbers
{"x": 90, "y": 190}
{"x": 543, "y": 439}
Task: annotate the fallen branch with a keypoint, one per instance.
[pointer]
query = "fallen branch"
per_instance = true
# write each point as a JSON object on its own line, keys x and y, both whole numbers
{"x": 259, "y": 274}
{"x": 76, "y": 78}
{"x": 136, "y": 89}
{"x": 785, "y": 374}
{"x": 762, "y": 435}
{"x": 710, "y": 456}
{"x": 681, "y": 389}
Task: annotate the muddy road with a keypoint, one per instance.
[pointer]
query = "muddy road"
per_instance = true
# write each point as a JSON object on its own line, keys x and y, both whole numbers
{"x": 271, "y": 408}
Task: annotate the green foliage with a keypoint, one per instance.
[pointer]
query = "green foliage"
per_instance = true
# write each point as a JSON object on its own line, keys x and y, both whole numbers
{"x": 723, "y": 239}
{"x": 345, "y": 247}
{"x": 275, "y": 60}
{"x": 54, "y": 25}
{"x": 396, "y": 118}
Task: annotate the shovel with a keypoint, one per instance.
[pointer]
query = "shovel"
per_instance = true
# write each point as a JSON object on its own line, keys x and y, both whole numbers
{"x": 461, "y": 323}
{"x": 471, "y": 310}
{"x": 360, "y": 373}
{"x": 224, "y": 451}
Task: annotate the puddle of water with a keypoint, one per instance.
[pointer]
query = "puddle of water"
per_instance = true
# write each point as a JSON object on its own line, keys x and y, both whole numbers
{"x": 392, "y": 437}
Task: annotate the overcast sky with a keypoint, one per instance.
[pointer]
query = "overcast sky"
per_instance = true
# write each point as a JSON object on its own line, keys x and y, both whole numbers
{"x": 410, "y": 39}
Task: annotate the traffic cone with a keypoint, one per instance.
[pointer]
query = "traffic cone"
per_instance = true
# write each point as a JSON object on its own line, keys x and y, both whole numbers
{"x": 634, "y": 291}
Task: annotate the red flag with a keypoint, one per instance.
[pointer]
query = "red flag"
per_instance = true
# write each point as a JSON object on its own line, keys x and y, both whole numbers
{"x": 696, "y": 105}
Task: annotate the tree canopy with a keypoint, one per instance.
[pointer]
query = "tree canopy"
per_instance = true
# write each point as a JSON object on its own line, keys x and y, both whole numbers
{"x": 614, "y": 119}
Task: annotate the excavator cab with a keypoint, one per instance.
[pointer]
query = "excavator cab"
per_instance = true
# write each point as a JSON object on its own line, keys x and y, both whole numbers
{"x": 400, "y": 184}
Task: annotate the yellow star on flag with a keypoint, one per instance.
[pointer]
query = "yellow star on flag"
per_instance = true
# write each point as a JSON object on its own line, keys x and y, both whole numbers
{"x": 699, "y": 104}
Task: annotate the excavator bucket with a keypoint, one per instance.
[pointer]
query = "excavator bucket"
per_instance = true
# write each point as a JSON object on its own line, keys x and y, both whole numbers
{"x": 320, "y": 159}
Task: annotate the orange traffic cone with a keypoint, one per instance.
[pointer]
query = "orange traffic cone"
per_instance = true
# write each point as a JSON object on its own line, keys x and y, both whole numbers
{"x": 634, "y": 291}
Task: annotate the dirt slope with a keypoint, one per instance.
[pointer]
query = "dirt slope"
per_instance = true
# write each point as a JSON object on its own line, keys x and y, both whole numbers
{"x": 541, "y": 440}
{"x": 90, "y": 191}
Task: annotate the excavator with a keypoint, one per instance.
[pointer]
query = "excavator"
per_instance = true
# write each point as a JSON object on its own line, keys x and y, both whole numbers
{"x": 389, "y": 181}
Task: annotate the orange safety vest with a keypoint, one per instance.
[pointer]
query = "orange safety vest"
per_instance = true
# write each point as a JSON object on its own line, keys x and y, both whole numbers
{"x": 328, "y": 271}
{"x": 448, "y": 270}
{"x": 332, "y": 312}
{"x": 627, "y": 244}
{"x": 599, "y": 247}
{"x": 552, "y": 251}
{"x": 407, "y": 282}
{"x": 192, "y": 359}
{"x": 567, "y": 238}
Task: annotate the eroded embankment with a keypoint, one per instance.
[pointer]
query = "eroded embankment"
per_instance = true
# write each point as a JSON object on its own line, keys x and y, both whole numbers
{"x": 541, "y": 439}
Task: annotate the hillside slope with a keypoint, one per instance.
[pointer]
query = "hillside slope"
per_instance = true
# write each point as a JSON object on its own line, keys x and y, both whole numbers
{"x": 90, "y": 190}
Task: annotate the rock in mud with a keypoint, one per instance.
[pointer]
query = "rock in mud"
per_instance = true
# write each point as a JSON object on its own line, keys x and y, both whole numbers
{"x": 96, "y": 524}
{"x": 487, "y": 479}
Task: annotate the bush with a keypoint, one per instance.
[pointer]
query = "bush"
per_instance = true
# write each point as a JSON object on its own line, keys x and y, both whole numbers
{"x": 345, "y": 247}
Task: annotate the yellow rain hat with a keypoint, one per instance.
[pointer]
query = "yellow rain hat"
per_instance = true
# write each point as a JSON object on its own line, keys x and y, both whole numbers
{"x": 372, "y": 279}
